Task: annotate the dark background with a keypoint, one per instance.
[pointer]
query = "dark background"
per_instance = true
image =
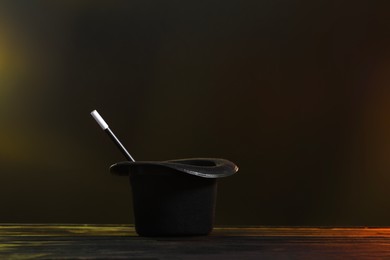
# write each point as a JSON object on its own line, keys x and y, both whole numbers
{"x": 296, "y": 93}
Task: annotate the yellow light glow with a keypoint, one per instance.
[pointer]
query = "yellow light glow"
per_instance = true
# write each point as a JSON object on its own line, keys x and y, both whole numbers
{"x": 12, "y": 65}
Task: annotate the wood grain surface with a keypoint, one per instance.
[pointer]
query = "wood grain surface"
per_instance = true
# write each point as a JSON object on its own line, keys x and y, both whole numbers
{"x": 57, "y": 241}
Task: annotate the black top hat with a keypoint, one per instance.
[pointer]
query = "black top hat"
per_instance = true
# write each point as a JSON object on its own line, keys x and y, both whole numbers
{"x": 201, "y": 167}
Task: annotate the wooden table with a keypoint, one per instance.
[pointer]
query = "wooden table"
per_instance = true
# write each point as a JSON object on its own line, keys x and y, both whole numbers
{"x": 56, "y": 241}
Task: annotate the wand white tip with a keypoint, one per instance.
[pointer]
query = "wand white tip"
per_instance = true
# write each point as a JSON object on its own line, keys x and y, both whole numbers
{"x": 99, "y": 120}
